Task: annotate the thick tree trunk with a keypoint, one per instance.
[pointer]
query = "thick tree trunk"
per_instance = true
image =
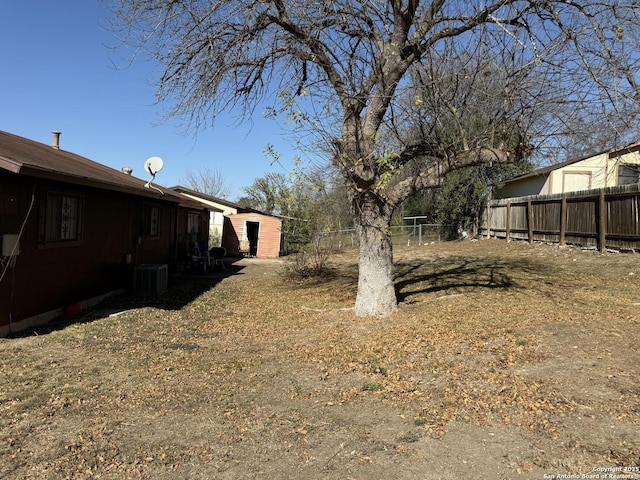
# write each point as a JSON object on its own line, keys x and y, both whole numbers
{"x": 376, "y": 292}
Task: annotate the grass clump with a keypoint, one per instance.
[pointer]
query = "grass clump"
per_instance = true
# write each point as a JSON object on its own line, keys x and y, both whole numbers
{"x": 372, "y": 387}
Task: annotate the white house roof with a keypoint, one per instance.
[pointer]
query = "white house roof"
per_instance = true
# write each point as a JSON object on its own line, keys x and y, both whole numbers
{"x": 546, "y": 170}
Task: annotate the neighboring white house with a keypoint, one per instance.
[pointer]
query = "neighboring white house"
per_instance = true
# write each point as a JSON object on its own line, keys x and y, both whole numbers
{"x": 620, "y": 166}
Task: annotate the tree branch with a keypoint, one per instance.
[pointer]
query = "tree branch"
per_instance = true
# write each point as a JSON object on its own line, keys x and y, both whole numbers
{"x": 429, "y": 170}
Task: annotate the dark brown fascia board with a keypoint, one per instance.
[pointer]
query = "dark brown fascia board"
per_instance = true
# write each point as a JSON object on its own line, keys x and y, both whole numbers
{"x": 90, "y": 182}
{"x": 20, "y": 168}
{"x": 141, "y": 191}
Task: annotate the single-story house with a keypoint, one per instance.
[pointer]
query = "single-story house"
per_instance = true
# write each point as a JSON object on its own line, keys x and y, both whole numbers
{"x": 619, "y": 166}
{"x": 240, "y": 230}
{"x": 73, "y": 230}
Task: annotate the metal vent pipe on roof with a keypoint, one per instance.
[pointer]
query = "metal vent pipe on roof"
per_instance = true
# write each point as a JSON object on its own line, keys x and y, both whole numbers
{"x": 56, "y": 140}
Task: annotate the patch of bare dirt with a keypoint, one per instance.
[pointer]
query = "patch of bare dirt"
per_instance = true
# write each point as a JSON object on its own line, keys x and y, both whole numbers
{"x": 504, "y": 361}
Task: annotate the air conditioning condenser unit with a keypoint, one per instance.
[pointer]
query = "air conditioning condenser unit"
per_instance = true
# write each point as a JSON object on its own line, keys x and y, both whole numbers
{"x": 151, "y": 278}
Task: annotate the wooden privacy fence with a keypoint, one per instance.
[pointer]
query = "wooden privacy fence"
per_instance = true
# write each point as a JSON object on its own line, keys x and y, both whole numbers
{"x": 603, "y": 218}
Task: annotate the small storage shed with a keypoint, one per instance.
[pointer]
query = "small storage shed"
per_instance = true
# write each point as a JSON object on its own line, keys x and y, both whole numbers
{"x": 253, "y": 234}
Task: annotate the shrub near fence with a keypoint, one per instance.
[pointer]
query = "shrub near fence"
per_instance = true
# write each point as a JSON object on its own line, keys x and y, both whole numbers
{"x": 602, "y": 218}
{"x": 402, "y": 236}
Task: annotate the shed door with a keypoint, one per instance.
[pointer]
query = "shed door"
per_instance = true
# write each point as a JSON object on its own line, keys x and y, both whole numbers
{"x": 253, "y": 234}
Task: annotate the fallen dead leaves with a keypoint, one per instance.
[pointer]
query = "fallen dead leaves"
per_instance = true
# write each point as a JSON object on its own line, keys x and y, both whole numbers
{"x": 264, "y": 369}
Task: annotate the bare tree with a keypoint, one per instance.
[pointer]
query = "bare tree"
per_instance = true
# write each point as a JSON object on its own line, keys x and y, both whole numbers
{"x": 341, "y": 66}
{"x": 208, "y": 181}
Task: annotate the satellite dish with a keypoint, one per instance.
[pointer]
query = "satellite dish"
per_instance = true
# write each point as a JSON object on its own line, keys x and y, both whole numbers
{"x": 153, "y": 165}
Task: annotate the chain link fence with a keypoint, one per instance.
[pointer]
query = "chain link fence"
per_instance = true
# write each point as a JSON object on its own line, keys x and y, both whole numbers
{"x": 401, "y": 236}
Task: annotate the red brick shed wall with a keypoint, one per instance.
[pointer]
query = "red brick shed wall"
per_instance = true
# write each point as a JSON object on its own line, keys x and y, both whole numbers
{"x": 268, "y": 236}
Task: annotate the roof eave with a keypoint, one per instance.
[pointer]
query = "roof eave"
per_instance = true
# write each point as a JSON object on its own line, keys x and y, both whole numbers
{"x": 221, "y": 201}
{"x": 10, "y": 165}
{"x": 90, "y": 182}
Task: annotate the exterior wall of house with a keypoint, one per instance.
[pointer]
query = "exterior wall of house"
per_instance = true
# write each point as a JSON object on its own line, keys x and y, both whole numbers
{"x": 589, "y": 173}
{"x": 237, "y": 233}
{"x": 191, "y": 231}
{"x": 116, "y": 235}
{"x": 216, "y": 224}
{"x": 536, "y": 185}
{"x": 618, "y": 160}
{"x": 216, "y": 219}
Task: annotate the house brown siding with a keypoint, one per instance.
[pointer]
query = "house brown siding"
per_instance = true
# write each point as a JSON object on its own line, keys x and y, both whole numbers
{"x": 48, "y": 276}
{"x": 186, "y": 238}
{"x": 83, "y": 228}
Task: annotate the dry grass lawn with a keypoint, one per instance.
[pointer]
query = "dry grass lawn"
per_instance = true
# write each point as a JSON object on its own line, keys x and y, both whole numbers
{"x": 504, "y": 361}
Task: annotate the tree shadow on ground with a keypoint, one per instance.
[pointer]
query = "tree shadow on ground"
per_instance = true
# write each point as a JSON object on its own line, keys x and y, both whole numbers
{"x": 457, "y": 274}
{"x": 182, "y": 289}
{"x": 417, "y": 277}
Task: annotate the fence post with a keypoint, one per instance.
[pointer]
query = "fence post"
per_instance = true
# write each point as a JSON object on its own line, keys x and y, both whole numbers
{"x": 563, "y": 217}
{"x": 420, "y": 234}
{"x": 508, "y": 225}
{"x": 489, "y": 210}
{"x": 602, "y": 222}
{"x": 530, "y": 220}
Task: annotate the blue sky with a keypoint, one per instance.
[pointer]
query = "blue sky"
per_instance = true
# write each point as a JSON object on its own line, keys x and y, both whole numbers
{"x": 58, "y": 73}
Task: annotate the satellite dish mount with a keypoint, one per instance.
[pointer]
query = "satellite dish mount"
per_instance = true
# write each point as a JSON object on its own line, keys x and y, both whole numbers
{"x": 153, "y": 165}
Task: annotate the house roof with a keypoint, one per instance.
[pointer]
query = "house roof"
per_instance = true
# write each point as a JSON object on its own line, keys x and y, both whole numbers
{"x": 221, "y": 201}
{"x": 28, "y": 157}
{"x": 546, "y": 170}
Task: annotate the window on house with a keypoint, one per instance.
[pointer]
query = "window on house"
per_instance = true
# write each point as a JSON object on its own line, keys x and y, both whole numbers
{"x": 63, "y": 218}
{"x": 151, "y": 221}
{"x": 628, "y": 174}
{"x": 193, "y": 222}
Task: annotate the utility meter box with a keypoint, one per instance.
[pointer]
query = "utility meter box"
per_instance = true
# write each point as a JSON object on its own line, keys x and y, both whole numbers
{"x": 10, "y": 244}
